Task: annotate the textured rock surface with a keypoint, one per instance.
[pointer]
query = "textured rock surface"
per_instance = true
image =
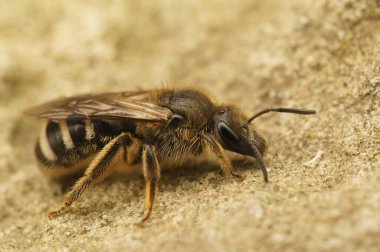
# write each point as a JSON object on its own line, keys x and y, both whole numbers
{"x": 313, "y": 54}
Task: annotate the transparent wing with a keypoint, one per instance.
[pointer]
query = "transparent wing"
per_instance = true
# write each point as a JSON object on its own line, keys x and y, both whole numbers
{"x": 132, "y": 106}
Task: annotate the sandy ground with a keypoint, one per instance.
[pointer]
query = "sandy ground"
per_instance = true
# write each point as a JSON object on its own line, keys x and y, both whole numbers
{"x": 323, "y": 55}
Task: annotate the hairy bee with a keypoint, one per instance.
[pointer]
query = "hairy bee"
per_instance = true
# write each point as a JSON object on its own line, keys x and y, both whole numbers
{"x": 101, "y": 131}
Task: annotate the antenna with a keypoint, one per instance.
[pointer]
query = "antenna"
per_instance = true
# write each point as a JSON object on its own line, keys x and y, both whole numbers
{"x": 283, "y": 110}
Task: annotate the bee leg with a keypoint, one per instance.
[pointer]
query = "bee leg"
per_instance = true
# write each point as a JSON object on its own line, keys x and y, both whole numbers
{"x": 151, "y": 169}
{"x": 218, "y": 150}
{"x": 102, "y": 166}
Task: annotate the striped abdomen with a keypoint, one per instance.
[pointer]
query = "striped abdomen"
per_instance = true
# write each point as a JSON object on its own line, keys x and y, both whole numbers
{"x": 66, "y": 146}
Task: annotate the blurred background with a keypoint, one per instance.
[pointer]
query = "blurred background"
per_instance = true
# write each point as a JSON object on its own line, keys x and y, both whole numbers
{"x": 321, "y": 55}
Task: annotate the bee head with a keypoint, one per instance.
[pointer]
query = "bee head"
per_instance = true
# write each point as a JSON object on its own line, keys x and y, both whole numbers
{"x": 234, "y": 134}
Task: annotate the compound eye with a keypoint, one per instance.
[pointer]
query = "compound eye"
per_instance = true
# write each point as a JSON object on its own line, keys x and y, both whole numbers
{"x": 177, "y": 119}
{"x": 227, "y": 134}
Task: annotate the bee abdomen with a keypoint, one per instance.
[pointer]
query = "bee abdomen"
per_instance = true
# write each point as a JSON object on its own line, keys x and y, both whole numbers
{"x": 68, "y": 145}
{"x": 64, "y": 145}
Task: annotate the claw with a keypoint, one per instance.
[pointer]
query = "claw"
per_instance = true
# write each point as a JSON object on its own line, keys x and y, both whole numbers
{"x": 239, "y": 178}
{"x": 141, "y": 223}
{"x": 59, "y": 212}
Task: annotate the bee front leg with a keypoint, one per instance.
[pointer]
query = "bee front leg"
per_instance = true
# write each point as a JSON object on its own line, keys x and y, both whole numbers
{"x": 218, "y": 150}
{"x": 101, "y": 167}
{"x": 151, "y": 169}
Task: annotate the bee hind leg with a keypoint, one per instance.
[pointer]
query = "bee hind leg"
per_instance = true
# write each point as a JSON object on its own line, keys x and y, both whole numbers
{"x": 101, "y": 167}
{"x": 151, "y": 168}
{"x": 218, "y": 150}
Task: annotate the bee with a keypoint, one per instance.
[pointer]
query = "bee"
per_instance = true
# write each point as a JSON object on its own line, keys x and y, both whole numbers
{"x": 97, "y": 133}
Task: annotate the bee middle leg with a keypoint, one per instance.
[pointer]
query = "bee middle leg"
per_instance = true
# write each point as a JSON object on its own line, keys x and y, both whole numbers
{"x": 218, "y": 150}
{"x": 102, "y": 166}
{"x": 151, "y": 168}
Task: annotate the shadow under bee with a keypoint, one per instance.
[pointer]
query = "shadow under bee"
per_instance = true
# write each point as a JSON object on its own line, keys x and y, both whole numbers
{"x": 172, "y": 174}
